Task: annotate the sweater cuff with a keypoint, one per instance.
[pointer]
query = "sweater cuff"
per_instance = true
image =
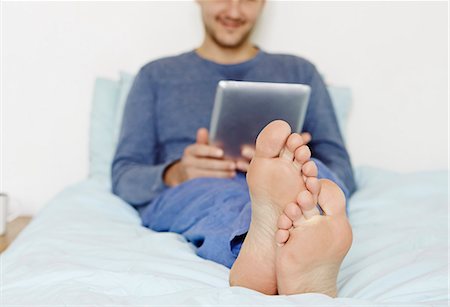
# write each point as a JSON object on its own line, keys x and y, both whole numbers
{"x": 159, "y": 185}
{"x": 136, "y": 192}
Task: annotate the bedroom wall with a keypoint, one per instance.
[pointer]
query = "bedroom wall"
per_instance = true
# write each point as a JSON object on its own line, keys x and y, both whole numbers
{"x": 393, "y": 56}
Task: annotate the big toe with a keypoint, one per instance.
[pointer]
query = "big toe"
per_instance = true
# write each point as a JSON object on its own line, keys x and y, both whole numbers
{"x": 272, "y": 139}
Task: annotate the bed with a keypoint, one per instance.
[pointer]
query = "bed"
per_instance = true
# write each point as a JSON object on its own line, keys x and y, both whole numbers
{"x": 87, "y": 247}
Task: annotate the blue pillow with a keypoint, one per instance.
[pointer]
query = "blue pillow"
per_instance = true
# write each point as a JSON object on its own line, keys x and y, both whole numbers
{"x": 107, "y": 111}
{"x": 101, "y": 140}
{"x": 342, "y": 103}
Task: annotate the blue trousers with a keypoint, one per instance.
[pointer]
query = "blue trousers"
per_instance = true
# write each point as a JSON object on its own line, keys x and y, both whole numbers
{"x": 212, "y": 213}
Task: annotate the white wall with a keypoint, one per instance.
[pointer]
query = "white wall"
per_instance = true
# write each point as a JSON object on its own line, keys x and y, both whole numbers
{"x": 393, "y": 56}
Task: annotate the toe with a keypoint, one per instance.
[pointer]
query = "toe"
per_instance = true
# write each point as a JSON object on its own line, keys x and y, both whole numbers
{"x": 284, "y": 222}
{"x": 309, "y": 169}
{"x": 281, "y": 236}
{"x": 293, "y": 211}
{"x": 331, "y": 198}
{"x": 302, "y": 154}
{"x": 313, "y": 185}
{"x": 307, "y": 204}
{"x": 272, "y": 139}
{"x": 293, "y": 142}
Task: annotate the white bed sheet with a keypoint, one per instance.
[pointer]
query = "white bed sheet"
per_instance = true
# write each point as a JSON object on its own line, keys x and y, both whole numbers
{"x": 87, "y": 248}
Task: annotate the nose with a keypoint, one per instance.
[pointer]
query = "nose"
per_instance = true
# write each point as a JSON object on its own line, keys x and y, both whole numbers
{"x": 234, "y": 9}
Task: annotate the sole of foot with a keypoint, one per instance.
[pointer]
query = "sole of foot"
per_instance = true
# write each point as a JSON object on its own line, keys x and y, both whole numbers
{"x": 275, "y": 177}
{"x": 310, "y": 246}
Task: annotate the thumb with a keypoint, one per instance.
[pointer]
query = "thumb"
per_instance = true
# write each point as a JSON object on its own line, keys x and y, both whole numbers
{"x": 202, "y": 136}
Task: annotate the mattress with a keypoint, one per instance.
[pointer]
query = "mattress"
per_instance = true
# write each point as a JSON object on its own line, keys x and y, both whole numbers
{"x": 87, "y": 247}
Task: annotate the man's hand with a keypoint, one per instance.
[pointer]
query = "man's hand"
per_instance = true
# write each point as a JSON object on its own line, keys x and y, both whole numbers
{"x": 200, "y": 160}
{"x": 248, "y": 152}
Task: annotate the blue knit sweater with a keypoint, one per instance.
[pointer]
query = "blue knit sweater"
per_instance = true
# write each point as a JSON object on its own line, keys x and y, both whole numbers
{"x": 173, "y": 97}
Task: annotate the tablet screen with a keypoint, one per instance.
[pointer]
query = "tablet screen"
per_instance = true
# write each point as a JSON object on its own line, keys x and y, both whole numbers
{"x": 242, "y": 109}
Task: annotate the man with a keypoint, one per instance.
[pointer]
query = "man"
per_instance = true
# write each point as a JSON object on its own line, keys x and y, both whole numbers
{"x": 267, "y": 228}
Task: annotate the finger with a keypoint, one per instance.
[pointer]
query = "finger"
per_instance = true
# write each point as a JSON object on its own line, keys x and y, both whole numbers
{"x": 210, "y": 164}
{"x": 202, "y": 136}
{"x": 242, "y": 166}
{"x": 202, "y": 150}
{"x": 248, "y": 152}
{"x": 211, "y": 173}
{"x": 306, "y": 137}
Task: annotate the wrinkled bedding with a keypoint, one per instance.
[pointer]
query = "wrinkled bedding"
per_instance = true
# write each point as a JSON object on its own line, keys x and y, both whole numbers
{"x": 86, "y": 247}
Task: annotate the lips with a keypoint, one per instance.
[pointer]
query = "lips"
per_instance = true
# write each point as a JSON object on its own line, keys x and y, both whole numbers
{"x": 230, "y": 24}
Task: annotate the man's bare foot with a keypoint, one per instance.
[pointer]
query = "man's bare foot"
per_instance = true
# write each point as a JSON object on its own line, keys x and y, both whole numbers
{"x": 311, "y": 246}
{"x": 275, "y": 178}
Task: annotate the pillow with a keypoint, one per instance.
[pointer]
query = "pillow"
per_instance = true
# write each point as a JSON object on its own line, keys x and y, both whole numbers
{"x": 106, "y": 120}
{"x": 342, "y": 103}
{"x": 101, "y": 140}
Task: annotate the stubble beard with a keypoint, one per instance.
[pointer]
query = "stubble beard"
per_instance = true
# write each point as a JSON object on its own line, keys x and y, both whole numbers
{"x": 212, "y": 34}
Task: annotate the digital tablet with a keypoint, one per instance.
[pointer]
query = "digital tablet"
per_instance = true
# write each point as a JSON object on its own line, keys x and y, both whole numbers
{"x": 242, "y": 109}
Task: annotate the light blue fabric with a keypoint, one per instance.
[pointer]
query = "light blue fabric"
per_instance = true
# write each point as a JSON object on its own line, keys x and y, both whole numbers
{"x": 108, "y": 102}
{"x": 107, "y": 110}
{"x": 87, "y": 247}
{"x": 101, "y": 141}
{"x": 342, "y": 103}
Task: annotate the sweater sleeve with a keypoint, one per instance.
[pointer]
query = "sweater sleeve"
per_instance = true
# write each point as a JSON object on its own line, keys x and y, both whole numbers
{"x": 136, "y": 177}
{"x": 327, "y": 145}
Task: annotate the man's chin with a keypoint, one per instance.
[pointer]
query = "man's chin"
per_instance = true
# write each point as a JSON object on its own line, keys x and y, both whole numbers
{"x": 230, "y": 43}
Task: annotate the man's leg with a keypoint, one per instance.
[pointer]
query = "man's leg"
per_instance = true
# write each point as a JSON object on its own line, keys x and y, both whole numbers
{"x": 211, "y": 213}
